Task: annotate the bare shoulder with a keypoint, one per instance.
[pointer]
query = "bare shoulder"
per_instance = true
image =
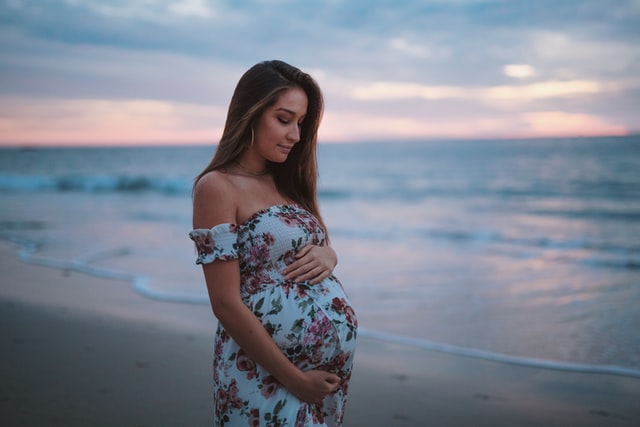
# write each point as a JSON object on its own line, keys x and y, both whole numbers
{"x": 214, "y": 182}
{"x": 214, "y": 200}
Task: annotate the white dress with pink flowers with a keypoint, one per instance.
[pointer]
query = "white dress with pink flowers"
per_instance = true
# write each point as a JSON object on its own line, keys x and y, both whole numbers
{"x": 314, "y": 325}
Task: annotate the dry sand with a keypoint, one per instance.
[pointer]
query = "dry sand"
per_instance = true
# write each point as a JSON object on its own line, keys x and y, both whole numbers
{"x": 85, "y": 351}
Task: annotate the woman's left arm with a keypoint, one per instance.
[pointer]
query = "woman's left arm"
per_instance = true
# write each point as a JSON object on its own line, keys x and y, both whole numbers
{"x": 313, "y": 263}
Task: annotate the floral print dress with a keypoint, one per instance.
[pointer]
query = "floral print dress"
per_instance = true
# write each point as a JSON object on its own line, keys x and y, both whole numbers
{"x": 314, "y": 325}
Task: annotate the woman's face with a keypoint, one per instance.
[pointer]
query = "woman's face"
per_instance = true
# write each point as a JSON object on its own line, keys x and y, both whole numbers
{"x": 278, "y": 129}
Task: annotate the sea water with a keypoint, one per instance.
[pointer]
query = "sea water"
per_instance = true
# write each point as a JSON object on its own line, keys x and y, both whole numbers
{"x": 526, "y": 251}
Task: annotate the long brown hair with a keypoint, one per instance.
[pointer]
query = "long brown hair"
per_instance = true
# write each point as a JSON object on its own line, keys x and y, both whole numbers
{"x": 258, "y": 89}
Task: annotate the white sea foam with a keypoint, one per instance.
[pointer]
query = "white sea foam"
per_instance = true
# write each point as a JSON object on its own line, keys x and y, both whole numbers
{"x": 95, "y": 183}
{"x": 141, "y": 284}
{"x": 496, "y": 357}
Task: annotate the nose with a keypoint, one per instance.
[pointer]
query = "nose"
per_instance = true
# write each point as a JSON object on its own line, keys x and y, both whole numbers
{"x": 294, "y": 134}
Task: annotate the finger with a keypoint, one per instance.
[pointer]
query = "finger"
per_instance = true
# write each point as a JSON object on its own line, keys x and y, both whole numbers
{"x": 312, "y": 275}
{"x": 333, "y": 383}
{"x": 333, "y": 379}
{"x": 319, "y": 278}
{"x": 302, "y": 252}
{"x": 302, "y": 273}
{"x": 300, "y": 262}
{"x": 291, "y": 267}
{"x": 297, "y": 267}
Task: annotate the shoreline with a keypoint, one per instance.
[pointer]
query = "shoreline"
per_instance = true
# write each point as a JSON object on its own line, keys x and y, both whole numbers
{"x": 80, "y": 350}
{"x": 490, "y": 356}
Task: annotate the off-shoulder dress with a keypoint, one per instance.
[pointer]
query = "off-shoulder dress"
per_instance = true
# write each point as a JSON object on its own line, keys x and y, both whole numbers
{"x": 314, "y": 325}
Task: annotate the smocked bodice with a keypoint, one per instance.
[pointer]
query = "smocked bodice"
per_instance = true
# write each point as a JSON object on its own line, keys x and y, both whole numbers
{"x": 264, "y": 244}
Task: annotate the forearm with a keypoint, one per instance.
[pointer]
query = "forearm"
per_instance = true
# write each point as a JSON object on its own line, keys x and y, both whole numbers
{"x": 247, "y": 331}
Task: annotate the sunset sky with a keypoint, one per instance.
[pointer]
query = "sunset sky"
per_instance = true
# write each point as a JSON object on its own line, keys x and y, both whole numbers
{"x": 162, "y": 71}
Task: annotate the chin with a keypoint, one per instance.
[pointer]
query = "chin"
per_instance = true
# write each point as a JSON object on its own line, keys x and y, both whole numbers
{"x": 279, "y": 159}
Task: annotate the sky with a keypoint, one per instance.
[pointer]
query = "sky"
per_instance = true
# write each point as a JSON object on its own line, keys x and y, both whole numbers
{"x": 91, "y": 72}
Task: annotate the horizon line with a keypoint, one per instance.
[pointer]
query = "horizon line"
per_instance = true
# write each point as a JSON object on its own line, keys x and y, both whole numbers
{"x": 132, "y": 144}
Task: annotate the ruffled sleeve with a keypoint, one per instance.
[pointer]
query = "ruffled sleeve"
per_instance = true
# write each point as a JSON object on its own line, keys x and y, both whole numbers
{"x": 219, "y": 242}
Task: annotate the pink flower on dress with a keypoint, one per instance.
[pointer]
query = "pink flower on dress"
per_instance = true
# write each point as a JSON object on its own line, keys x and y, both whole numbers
{"x": 254, "y": 417}
{"x": 350, "y": 314}
{"x": 338, "y": 362}
{"x": 338, "y": 304}
{"x": 291, "y": 219}
{"x": 257, "y": 253}
{"x": 286, "y": 287}
{"x": 301, "y": 292}
{"x": 204, "y": 243}
{"x": 246, "y": 364}
{"x": 302, "y": 416}
{"x": 319, "y": 327}
{"x": 316, "y": 413}
{"x": 219, "y": 348}
{"x": 270, "y": 385}
{"x": 222, "y": 400}
{"x": 234, "y": 400}
{"x": 253, "y": 283}
{"x": 289, "y": 257}
{"x": 268, "y": 239}
{"x": 302, "y": 360}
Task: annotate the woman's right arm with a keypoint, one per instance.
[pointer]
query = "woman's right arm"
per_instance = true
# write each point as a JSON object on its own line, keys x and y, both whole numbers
{"x": 213, "y": 205}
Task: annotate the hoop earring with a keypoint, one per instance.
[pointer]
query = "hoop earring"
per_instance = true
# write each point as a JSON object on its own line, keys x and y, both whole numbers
{"x": 252, "y": 138}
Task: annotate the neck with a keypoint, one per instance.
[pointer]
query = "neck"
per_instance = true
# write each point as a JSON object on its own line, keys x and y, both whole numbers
{"x": 250, "y": 171}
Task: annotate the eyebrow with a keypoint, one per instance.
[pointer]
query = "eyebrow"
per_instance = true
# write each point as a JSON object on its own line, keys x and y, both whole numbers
{"x": 289, "y": 111}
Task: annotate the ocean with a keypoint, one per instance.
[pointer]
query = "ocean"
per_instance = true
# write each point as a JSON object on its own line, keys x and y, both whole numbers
{"x": 523, "y": 251}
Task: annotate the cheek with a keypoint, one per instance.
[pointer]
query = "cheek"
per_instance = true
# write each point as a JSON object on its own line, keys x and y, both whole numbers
{"x": 268, "y": 137}
{"x": 271, "y": 132}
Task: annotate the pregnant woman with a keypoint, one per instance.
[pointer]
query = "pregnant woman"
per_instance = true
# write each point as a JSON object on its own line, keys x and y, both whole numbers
{"x": 286, "y": 331}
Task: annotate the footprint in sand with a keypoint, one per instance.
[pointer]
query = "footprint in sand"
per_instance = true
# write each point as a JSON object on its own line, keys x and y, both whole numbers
{"x": 486, "y": 397}
{"x": 606, "y": 414}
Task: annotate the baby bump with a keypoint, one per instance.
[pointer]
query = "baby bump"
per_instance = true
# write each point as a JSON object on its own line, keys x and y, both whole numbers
{"x": 315, "y": 326}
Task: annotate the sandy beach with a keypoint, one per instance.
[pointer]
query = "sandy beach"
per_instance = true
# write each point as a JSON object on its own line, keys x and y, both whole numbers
{"x": 85, "y": 351}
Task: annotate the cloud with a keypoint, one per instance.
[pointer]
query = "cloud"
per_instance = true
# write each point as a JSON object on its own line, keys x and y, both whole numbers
{"x": 387, "y": 91}
{"x": 559, "y": 124}
{"x": 402, "y": 45}
{"x": 81, "y": 121}
{"x": 545, "y": 89}
{"x": 145, "y": 10}
{"x": 476, "y": 61}
{"x": 349, "y": 126}
{"x": 352, "y": 125}
{"x": 566, "y": 55}
{"x": 196, "y": 8}
{"x": 518, "y": 71}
